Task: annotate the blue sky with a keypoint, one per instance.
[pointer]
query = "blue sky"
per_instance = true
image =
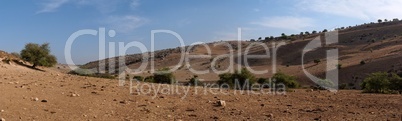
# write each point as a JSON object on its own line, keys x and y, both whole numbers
{"x": 53, "y": 21}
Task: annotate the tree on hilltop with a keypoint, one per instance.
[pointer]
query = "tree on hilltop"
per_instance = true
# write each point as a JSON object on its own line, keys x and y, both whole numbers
{"x": 38, "y": 55}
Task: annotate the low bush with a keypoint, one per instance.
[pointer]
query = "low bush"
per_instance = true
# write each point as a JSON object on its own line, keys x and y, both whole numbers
{"x": 239, "y": 80}
{"x": 382, "y": 82}
{"x": 195, "y": 81}
{"x": 164, "y": 77}
{"x": 287, "y": 80}
{"x": 139, "y": 78}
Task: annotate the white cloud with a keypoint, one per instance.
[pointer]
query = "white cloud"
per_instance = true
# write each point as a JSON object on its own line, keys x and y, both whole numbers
{"x": 360, "y": 9}
{"x": 285, "y": 22}
{"x": 51, "y": 6}
{"x": 125, "y": 23}
{"x": 135, "y": 3}
{"x": 103, "y": 6}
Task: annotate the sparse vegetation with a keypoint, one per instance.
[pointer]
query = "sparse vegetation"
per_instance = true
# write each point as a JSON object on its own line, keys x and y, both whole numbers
{"x": 316, "y": 61}
{"x": 262, "y": 80}
{"x": 194, "y": 81}
{"x": 338, "y": 66}
{"x": 38, "y": 55}
{"x": 382, "y": 82}
{"x": 90, "y": 73}
{"x": 16, "y": 54}
{"x": 138, "y": 78}
{"x": 164, "y": 77}
{"x": 362, "y": 62}
{"x": 244, "y": 78}
{"x": 287, "y": 80}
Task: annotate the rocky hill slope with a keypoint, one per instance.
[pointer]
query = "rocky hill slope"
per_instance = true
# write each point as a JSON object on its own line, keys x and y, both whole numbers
{"x": 377, "y": 45}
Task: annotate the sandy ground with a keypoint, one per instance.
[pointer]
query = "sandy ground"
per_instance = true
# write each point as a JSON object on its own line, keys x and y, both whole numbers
{"x": 28, "y": 94}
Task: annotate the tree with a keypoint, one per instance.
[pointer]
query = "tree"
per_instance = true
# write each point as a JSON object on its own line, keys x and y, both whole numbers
{"x": 376, "y": 83}
{"x": 266, "y": 38}
{"x": 243, "y": 78}
{"x": 259, "y": 38}
{"x": 306, "y": 33}
{"x": 379, "y": 21}
{"x": 38, "y": 55}
{"x": 288, "y": 81}
{"x": 284, "y": 36}
{"x": 325, "y": 30}
{"x": 314, "y": 32}
{"x": 164, "y": 77}
{"x": 271, "y": 37}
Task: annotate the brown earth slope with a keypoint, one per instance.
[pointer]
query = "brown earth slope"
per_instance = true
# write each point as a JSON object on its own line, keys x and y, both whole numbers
{"x": 377, "y": 44}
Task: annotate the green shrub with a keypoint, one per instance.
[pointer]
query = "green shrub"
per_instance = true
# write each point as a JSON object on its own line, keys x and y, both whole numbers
{"x": 395, "y": 83}
{"x": 91, "y": 73}
{"x": 342, "y": 86}
{"x": 317, "y": 61}
{"x": 244, "y": 79}
{"x": 195, "y": 82}
{"x": 149, "y": 79}
{"x": 288, "y": 81}
{"x": 139, "y": 78}
{"x": 38, "y": 55}
{"x": 164, "y": 77}
{"x": 379, "y": 82}
{"x": 339, "y": 66}
{"x": 362, "y": 62}
{"x": 262, "y": 80}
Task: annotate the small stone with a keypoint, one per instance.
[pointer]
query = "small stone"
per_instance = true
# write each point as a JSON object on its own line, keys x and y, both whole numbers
{"x": 2, "y": 119}
{"x": 262, "y": 105}
{"x": 169, "y": 116}
{"x": 44, "y": 101}
{"x": 270, "y": 115}
{"x": 158, "y": 106}
{"x": 222, "y": 103}
{"x": 35, "y": 99}
{"x": 1, "y": 110}
{"x": 73, "y": 95}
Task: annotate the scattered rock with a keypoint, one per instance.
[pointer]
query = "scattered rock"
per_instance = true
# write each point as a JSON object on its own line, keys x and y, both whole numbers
{"x": 221, "y": 103}
{"x": 270, "y": 115}
{"x": 35, "y": 99}
{"x": 74, "y": 95}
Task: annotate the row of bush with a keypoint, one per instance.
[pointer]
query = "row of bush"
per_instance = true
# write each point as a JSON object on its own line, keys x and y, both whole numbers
{"x": 382, "y": 82}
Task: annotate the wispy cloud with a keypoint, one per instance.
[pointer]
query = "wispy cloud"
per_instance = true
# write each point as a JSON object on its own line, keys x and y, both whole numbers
{"x": 126, "y": 23}
{"x": 103, "y": 6}
{"x": 183, "y": 22}
{"x": 51, "y": 6}
{"x": 285, "y": 22}
{"x": 360, "y": 9}
{"x": 134, "y": 4}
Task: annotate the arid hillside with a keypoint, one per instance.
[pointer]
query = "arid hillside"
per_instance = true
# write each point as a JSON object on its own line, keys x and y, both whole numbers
{"x": 363, "y": 49}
